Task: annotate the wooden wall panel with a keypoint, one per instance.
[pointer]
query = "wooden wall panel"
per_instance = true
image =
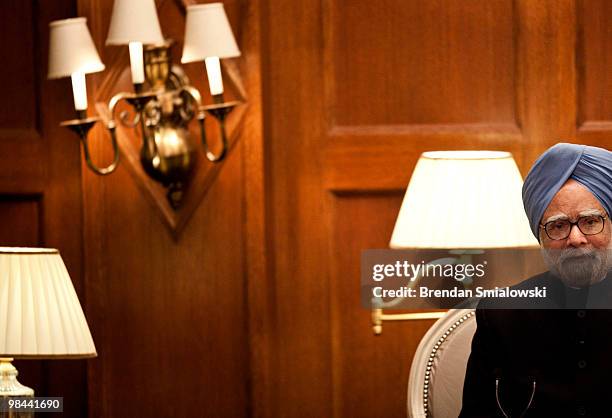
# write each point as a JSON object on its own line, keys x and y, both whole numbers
{"x": 169, "y": 316}
{"x": 336, "y": 150}
{"x": 293, "y": 112}
{"x": 546, "y": 76}
{"x": 369, "y": 373}
{"x": 40, "y": 191}
{"x": 361, "y": 90}
{"x": 25, "y": 214}
{"x": 416, "y": 76}
{"x": 594, "y": 85}
{"x": 254, "y": 309}
{"x": 420, "y": 62}
{"x": 169, "y": 311}
{"x": 19, "y": 108}
{"x": 595, "y": 82}
{"x": 20, "y": 136}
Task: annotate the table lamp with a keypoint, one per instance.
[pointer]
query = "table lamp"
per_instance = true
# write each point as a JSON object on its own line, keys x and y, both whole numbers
{"x": 455, "y": 200}
{"x": 40, "y": 314}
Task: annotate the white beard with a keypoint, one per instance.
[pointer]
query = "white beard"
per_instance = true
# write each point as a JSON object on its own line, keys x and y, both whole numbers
{"x": 578, "y": 267}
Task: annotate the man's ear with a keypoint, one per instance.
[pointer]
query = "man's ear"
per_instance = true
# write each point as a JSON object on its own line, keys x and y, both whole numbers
{"x": 609, "y": 226}
{"x": 541, "y": 235}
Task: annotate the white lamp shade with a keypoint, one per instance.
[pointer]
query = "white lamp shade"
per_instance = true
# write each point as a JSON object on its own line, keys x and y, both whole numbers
{"x": 40, "y": 314}
{"x": 71, "y": 49}
{"x": 134, "y": 21}
{"x": 463, "y": 200}
{"x": 208, "y": 34}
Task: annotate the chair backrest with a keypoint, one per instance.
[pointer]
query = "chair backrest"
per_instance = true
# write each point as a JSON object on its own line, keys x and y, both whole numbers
{"x": 435, "y": 385}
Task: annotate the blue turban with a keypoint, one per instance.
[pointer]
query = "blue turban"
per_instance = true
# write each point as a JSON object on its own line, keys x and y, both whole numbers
{"x": 589, "y": 166}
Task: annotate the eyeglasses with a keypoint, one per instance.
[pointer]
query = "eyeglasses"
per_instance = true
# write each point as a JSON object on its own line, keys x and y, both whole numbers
{"x": 561, "y": 228}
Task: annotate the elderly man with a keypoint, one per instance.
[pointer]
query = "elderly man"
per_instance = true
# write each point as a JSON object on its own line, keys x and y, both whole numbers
{"x": 554, "y": 362}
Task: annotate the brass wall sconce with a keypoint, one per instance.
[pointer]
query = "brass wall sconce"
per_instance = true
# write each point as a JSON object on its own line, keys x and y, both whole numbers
{"x": 163, "y": 102}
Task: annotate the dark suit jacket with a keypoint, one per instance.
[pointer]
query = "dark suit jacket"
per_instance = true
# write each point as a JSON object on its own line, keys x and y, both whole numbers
{"x": 567, "y": 352}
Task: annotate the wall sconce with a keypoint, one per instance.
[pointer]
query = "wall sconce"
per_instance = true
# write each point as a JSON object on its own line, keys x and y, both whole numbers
{"x": 163, "y": 100}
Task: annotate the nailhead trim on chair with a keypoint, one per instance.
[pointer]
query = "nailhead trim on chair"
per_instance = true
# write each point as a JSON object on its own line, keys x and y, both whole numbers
{"x": 432, "y": 356}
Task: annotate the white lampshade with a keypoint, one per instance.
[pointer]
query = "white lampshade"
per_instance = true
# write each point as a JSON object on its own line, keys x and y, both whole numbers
{"x": 134, "y": 21}
{"x": 463, "y": 200}
{"x": 208, "y": 34}
{"x": 71, "y": 49}
{"x": 40, "y": 314}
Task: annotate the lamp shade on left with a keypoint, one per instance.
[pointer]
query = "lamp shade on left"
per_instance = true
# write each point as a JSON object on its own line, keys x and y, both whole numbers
{"x": 71, "y": 49}
{"x": 40, "y": 313}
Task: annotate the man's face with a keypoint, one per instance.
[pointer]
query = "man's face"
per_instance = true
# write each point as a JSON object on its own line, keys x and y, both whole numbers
{"x": 579, "y": 260}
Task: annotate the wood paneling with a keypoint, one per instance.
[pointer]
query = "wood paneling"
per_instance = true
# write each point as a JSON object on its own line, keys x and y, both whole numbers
{"x": 40, "y": 190}
{"x": 169, "y": 318}
{"x": 363, "y": 221}
{"x": 416, "y": 76}
{"x": 254, "y": 309}
{"x": 169, "y": 311}
{"x": 546, "y": 75}
{"x": 298, "y": 209}
{"x": 20, "y": 137}
{"x": 595, "y": 83}
{"x": 19, "y": 107}
{"x": 420, "y": 62}
{"x": 260, "y": 288}
{"x": 25, "y": 214}
{"x": 352, "y": 98}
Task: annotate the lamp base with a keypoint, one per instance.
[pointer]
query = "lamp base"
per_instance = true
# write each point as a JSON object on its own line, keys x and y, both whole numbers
{"x": 9, "y": 385}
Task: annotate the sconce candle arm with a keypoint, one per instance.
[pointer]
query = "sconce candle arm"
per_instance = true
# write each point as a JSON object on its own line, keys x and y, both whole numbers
{"x": 209, "y": 154}
{"x": 112, "y": 166}
{"x": 82, "y": 127}
{"x": 219, "y": 111}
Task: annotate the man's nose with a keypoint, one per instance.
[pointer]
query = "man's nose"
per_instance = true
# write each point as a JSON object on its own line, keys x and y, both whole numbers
{"x": 576, "y": 237}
